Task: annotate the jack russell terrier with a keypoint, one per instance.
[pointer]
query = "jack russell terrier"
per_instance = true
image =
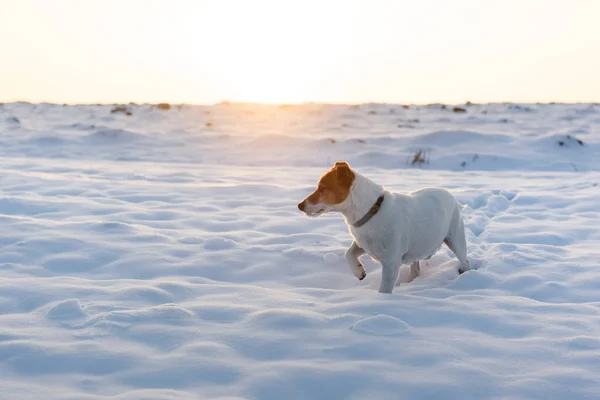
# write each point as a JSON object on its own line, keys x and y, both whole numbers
{"x": 392, "y": 228}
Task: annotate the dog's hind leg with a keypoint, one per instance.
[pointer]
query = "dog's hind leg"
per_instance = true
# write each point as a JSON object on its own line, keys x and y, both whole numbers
{"x": 457, "y": 242}
{"x": 352, "y": 254}
{"x": 415, "y": 270}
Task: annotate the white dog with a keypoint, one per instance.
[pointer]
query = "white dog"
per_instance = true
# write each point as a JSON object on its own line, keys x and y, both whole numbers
{"x": 392, "y": 228}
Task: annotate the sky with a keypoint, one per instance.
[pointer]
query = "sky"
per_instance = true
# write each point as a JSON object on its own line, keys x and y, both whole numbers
{"x": 279, "y": 51}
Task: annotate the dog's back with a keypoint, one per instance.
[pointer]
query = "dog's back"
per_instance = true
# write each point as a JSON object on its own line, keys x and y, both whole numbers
{"x": 429, "y": 214}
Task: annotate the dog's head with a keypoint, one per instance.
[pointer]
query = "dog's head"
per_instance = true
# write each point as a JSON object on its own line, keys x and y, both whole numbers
{"x": 332, "y": 190}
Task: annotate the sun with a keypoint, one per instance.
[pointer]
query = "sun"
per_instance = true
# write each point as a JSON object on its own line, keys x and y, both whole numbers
{"x": 270, "y": 79}
{"x": 265, "y": 51}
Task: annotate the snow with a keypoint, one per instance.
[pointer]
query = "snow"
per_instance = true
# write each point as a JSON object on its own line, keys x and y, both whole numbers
{"x": 161, "y": 255}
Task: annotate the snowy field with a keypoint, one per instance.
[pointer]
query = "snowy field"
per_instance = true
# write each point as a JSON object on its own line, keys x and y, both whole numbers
{"x": 160, "y": 255}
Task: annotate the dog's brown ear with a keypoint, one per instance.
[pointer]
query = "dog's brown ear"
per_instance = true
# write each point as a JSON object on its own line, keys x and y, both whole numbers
{"x": 344, "y": 173}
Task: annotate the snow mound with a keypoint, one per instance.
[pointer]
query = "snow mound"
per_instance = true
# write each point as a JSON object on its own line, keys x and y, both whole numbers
{"x": 459, "y": 138}
{"x": 111, "y": 136}
{"x": 381, "y": 325}
{"x": 218, "y": 243}
{"x": 65, "y": 309}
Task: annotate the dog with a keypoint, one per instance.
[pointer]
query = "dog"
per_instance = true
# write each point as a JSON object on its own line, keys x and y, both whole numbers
{"x": 392, "y": 228}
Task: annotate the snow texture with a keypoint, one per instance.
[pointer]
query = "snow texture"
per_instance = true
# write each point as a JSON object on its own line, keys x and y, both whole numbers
{"x": 161, "y": 255}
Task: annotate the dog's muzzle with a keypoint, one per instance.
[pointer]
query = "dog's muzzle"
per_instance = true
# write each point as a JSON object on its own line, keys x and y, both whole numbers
{"x": 302, "y": 206}
{"x": 310, "y": 209}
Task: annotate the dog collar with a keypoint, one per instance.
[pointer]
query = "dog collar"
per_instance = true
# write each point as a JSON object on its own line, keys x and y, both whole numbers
{"x": 369, "y": 214}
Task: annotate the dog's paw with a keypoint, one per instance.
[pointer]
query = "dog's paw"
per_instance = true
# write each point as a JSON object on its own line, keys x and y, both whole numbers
{"x": 464, "y": 268}
{"x": 360, "y": 272}
{"x": 358, "y": 269}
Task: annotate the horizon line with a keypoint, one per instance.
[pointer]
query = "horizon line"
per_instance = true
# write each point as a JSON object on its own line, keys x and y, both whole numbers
{"x": 230, "y": 102}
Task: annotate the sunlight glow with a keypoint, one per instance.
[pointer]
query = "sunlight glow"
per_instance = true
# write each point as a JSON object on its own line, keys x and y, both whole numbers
{"x": 200, "y": 51}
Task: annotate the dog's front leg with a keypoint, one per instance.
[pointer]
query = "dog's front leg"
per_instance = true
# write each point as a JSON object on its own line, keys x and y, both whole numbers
{"x": 352, "y": 254}
{"x": 389, "y": 275}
